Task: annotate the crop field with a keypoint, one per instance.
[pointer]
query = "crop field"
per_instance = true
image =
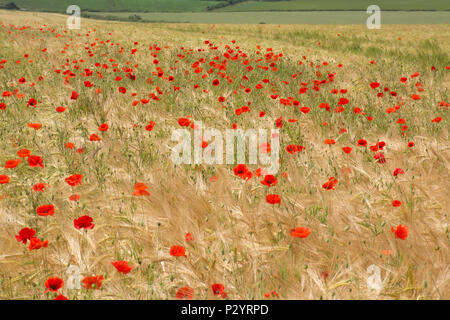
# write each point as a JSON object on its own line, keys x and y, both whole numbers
{"x": 216, "y": 5}
{"x": 341, "y": 5}
{"x": 115, "y": 5}
{"x": 93, "y": 206}
{"x": 281, "y": 17}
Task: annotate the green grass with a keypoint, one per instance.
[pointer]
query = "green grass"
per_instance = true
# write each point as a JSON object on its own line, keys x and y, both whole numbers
{"x": 297, "y": 17}
{"x": 332, "y": 5}
{"x": 115, "y": 5}
{"x": 202, "y": 5}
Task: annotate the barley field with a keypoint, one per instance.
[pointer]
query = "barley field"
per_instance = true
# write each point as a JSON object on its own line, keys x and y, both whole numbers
{"x": 93, "y": 207}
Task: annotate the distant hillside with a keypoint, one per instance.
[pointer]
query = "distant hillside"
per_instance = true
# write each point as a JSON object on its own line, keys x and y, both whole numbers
{"x": 225, "y": 5}
{"x": 115, "y": 5}
{"x": 340, "y": 5}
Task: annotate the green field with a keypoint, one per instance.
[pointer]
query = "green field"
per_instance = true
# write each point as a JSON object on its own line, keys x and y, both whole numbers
{"x": 202, "y": 5}
{"x": 292, "y": 17}
{"x": 340, "y": 5}
{"x": 115, "y": 5}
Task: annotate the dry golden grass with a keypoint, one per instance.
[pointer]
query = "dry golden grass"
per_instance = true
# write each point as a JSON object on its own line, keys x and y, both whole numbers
{"x": 239, "y": 240}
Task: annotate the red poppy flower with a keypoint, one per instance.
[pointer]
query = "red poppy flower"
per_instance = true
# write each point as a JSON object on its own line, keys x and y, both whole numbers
{"x": 379, "y": 157}
{"x": 362, "y": 143}
{"x": 292, "y": 148}
{"x": 184, "y": 122}
{"x": 83, "y": 222}
{"x": 61, "y": 297}
{"x": 178, "y": 251}
{"x": 122, "y": 266}
{"x": 46, "y": 210}
{"x": 396, "y": 203}
{"x": 35, "y": 126}
{"x": 374, "y": 85}
{"x": 259, "y": 172}
{"x": 32, "y": 103}
{"x": 347, "y": 149}
{"x": 36, "y": 243}
{"x": 219, "y": 290}
{"x": 300, "y": 232}
{"x": 103, "y": 127}
{"x": 74, "y": 197}
{"x": 269, "y": 180}
{"x": 215, "y": 82}
{"x": 185, "y": 293}
{"x": 4, "y": 179}
{"x": 74, "y": 180}
{"x": 265, "y": 148}
{"x": 401, "y": 232}
{"x": 279, "y": 122}
{"x": 330, "y": 141}
{"x": 140, "y": 189}
{"x": 374, "y": 148}
{"x": 242, "y": 171}
{"x": 150, "y": 126}
{"x": 95, "y": 137}
{"x": 343, "y": 101}
{"x": 10, "y": 164}
{"x": 23, "y": 153}
{"x": 60, "y": 109}
{"x": 305, "y": 110}
{"x": 39, "y": 187}
{"x": 188, "y": 237}
{"x": 25, "y": 234}
{"x": 35, "y": 161}
{"x": 272, "y": 293}
{"x": 437, "y": 119}
{"x": 74, "y": 95}
{"x": 94, "y": 282}
{"x": 330, "y": 184}
{"x": 398, "y": 171}
{"x": 273, "y": 199}
{"x": 69, "y": 145}
{"x": 53, "y": 284}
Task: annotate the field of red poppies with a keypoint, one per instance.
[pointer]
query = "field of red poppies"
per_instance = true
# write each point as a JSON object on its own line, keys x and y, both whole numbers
{"x": 93, "y": 207}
